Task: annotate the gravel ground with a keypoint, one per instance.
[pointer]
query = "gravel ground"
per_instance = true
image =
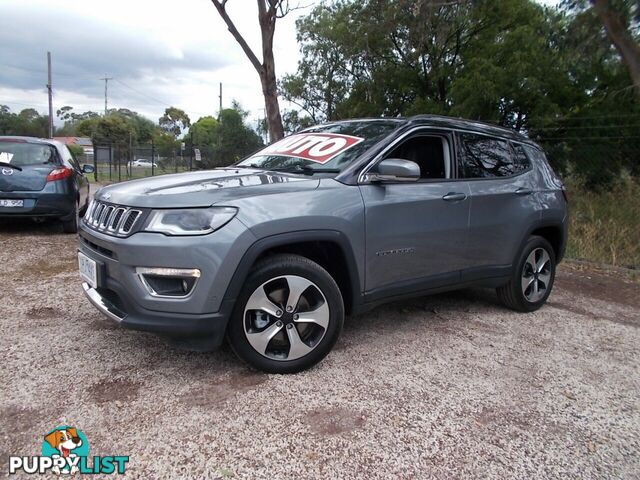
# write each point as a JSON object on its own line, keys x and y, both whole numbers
{"x": 448, "y": 386}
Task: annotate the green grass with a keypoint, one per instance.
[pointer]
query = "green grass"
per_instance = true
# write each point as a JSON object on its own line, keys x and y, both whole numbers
{"x": 103, "y": 173}
{"x": 604, "y": 227}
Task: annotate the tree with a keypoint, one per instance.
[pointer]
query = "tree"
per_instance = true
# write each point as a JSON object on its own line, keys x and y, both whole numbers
{"x": 204, "y": 132}
{"x": 235, "y": 139}
{"x": 616, "y": 23}
{"x": 268, "y": 12}
{"x": 174, "y": 121}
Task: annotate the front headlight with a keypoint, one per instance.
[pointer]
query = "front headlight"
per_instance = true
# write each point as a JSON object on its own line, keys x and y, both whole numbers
{"x": 191, "y": 221}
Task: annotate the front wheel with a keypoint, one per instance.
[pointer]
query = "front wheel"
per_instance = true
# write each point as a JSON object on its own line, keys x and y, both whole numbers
{"x": 532, "y": 279}
{"x": 288, "y": 315}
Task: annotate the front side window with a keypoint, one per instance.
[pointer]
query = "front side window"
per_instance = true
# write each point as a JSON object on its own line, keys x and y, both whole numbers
{"x": 485, "y": 157}
{"x": 431, "y": 153}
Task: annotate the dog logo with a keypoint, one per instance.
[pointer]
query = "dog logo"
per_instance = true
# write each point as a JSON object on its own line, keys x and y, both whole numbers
{"x": 65, "y": 450}
{"x": 66, "y": 443}
{"x": 7, "y": 171}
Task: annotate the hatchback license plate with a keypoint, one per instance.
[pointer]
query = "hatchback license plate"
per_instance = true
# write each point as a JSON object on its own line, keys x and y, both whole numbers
{"x": 88, "y": 269}
{"x": 11, "y": 203}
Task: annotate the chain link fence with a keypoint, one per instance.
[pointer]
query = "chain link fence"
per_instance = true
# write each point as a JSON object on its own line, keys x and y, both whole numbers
{"x": 115, "y": 163}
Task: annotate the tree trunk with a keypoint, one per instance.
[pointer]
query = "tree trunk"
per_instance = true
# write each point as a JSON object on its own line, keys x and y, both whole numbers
{"x": 272, "y": 106}
{"x": 267, "y": 16}
{"x": 621, "y": 38}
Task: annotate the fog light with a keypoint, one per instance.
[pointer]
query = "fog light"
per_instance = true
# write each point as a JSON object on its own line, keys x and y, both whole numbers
{"x": 168, "y": 282}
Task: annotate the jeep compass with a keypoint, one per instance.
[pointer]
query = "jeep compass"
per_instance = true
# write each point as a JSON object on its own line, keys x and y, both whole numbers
{"x": 272, "y": 252}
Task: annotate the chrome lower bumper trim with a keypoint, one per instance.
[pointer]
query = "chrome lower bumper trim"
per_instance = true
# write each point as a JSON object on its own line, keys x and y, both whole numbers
{"x": 102, "y": 304}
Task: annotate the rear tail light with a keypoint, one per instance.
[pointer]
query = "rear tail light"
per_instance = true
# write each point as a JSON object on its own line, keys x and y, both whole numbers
{"x": 59, "y": 174}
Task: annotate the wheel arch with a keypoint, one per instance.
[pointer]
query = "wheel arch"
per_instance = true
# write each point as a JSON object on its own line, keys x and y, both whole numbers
{"x": 555, "y": 232}
{"x": 331, "y": 249}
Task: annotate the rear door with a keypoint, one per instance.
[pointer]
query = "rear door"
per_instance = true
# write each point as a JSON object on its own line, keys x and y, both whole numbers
{"x": 416, "y": 232}
{"x": 503, "y": 204}
{"x": 24, "y": 166}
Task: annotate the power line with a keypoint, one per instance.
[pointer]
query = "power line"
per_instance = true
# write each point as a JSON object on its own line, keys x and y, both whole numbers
{"x": 574, "y": 127}
{"x": 588, "y": 138}
{"x": 161, "y": 102}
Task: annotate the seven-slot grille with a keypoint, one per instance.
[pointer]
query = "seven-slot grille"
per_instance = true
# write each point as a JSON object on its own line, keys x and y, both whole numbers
{"x": 111, "y": 219}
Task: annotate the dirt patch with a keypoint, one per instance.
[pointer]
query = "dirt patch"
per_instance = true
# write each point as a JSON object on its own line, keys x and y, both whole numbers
{"x": 571, "y": 308}
{"x": 114, "y": 390}
{"x": 333, "y": 421}
{"x": 18, "y": 424}
{"x": 43, "y": 312}
{"x": 218, "y": 393}
{"x": 606, "y": 288}
{"x": 49, "y": 269}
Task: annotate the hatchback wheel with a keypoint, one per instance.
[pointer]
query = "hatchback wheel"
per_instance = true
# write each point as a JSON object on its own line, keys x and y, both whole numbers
{"x": 532, "y": 279}
{"x": 71, "y": 225}
{"x": 288, "y": 315}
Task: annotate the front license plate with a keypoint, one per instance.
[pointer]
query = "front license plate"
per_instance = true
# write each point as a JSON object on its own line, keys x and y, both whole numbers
{"x": 88, "y": 269}
{"x": 11, "y": 203}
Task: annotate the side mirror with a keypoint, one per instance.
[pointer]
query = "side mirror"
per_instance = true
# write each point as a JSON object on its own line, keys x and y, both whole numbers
{"x": 395, "y": 170}
{"x": 87, "y": 168}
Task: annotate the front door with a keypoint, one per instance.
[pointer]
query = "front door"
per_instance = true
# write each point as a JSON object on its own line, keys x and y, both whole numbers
{"x": 416, "y": 232}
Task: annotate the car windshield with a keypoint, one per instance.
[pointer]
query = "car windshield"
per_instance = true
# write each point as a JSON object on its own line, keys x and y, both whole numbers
{"x": 327, "y": 148}
{"x": 23, "y": 153}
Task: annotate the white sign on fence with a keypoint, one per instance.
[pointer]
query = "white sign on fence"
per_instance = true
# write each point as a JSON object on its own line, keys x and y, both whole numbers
{"x": 196, "y": 153}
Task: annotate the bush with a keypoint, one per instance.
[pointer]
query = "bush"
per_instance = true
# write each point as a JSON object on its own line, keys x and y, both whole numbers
{"x": 604, "y": 226}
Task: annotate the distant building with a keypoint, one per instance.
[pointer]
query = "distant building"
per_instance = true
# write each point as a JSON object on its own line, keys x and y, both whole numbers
{"x": 84, "y": 142}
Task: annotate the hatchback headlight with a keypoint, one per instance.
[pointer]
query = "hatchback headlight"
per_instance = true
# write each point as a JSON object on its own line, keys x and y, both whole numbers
{"x": 191, "y": 221}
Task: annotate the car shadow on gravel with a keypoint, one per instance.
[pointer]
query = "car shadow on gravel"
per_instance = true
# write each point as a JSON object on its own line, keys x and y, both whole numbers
{"x": 29, "y": 227}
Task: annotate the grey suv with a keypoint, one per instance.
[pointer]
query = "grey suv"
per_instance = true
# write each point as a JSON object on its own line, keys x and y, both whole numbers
{"x": 273, "y": 251}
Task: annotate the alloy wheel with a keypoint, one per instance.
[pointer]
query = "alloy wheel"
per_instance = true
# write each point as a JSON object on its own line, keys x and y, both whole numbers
{"x": 536, "y": 275}
{"x": 286, "y": 317}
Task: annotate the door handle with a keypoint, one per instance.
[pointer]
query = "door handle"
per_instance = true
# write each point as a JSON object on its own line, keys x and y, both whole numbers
{"x": 524, "y": 191}
{"x": 454, "y": 197}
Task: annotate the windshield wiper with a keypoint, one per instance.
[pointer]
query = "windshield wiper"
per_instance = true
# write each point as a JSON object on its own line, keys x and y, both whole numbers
{"x": 306, "y": 170}
{"x": 7, "y": 164}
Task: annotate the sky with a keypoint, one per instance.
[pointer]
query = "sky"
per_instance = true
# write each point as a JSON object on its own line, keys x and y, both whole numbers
{"x": 159, "y": 53}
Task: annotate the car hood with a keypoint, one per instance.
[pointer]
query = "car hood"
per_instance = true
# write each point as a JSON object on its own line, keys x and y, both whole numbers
{"x": 203, "y": 188}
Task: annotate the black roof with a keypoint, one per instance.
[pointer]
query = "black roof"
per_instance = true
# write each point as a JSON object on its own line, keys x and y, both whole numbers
{"x": 464, "y": 124}
{"x": 450, "y": 123}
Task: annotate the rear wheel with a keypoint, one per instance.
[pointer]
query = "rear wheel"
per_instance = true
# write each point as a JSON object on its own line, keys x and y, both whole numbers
{"x": 71, "y": 225}
{"x": 288, "y": 315}
{"x": 532, "y": 279}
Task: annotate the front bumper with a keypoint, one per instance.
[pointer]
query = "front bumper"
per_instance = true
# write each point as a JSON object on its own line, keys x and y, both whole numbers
{"x": 210, "y": 326}
{"x": 121, "y": 296}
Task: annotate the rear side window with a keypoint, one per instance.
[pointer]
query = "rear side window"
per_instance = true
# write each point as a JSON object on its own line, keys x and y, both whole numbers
{"x": 521, "y": 162}
{"x": 23, "y": 153}
{"x": 485, "y": 157}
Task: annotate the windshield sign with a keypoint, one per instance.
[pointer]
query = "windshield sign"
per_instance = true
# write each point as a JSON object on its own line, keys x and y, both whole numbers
{"x": 316, "y": 147}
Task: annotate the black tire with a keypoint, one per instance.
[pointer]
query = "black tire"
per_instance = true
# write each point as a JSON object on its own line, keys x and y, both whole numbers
{"x": 71, "y": 225}
{"x": 512, "y": 294}
{"x": 267, "y": 271}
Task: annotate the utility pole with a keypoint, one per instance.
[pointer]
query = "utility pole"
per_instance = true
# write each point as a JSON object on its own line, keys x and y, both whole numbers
{"x": 50, "y": 91}
{"x": 220, "y": 97}
{"x": 106, "y": 83}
